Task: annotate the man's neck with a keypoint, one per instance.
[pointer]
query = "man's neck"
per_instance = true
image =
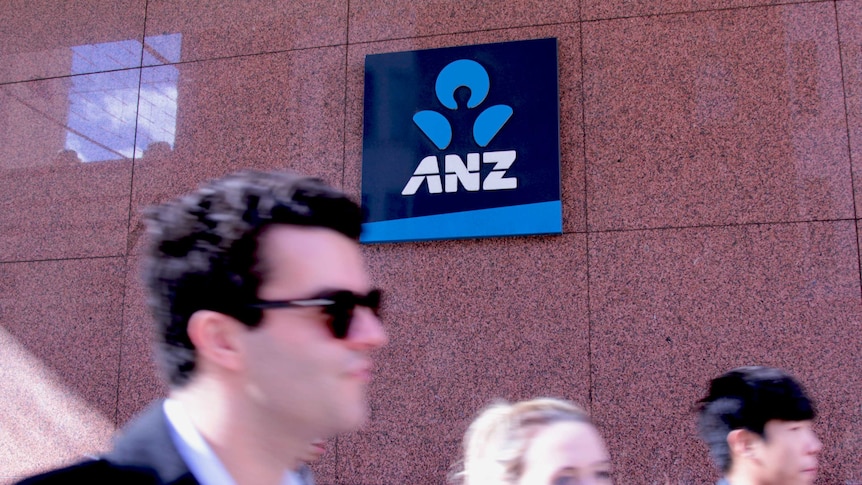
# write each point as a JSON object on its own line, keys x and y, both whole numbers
{"x": 741, "y": 477}
{"x": 245, "y": 445}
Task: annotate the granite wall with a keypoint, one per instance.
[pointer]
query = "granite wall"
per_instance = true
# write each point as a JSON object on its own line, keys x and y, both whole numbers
{"x": 710, "y": 152}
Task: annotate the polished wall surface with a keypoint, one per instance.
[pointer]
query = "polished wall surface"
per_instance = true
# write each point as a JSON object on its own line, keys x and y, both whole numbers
{"x": 711, "y": 161}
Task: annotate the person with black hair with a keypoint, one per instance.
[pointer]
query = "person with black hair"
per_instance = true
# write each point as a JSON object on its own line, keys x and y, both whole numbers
{"x": 757, "y": 422}
{"x": 265, "y": 320}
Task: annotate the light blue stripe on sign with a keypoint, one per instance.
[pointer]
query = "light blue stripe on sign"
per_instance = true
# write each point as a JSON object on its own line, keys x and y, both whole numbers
{"x": 539, "y": 218}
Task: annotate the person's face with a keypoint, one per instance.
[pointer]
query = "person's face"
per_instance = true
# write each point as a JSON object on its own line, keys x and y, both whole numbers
{"x": 566, "y": 453}
{"x": 788, "y": 454}
{"x": 298, "y": 375}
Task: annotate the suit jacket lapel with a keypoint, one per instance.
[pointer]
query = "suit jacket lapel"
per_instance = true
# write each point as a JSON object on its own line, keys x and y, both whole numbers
{"x": 146, "y": 442}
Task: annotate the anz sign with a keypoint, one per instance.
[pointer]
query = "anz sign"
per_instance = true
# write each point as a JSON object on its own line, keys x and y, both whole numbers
{"x": 462, "y": 142}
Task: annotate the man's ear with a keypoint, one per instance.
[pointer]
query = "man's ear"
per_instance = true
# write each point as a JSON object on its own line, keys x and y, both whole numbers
{"x": 742, "y": 443}
{"x": 216, "y": 339}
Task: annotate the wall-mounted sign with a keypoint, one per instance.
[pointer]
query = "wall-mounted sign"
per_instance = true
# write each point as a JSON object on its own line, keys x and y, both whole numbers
{"x": 462, "y": 142}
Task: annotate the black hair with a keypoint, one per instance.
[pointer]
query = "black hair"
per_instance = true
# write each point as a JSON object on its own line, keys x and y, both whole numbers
{"x": 748, "y": 398}
{"x": 203, "y": 250}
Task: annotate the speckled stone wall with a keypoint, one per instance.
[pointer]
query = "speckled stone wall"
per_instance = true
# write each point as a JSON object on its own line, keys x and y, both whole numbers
{"x": 711, "y": 154}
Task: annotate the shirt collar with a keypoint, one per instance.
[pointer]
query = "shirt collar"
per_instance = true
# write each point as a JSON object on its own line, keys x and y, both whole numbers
{"x": 202, "y": 461}
{"x": 200, "y": 458}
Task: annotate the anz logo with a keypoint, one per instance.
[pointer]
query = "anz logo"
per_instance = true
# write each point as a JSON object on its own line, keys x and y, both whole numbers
{"x": 456, "y": 173}
{"x": 462, "y": 142}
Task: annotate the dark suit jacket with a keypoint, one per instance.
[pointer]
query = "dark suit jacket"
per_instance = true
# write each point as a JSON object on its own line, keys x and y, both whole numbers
{"x": 143, "y": 454}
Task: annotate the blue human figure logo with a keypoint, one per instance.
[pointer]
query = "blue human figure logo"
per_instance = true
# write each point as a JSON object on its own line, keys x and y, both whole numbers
{"x": 457, "y": 74}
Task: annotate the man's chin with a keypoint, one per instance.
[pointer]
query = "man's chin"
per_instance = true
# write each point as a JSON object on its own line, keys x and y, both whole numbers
{"x": 353, "y": 419}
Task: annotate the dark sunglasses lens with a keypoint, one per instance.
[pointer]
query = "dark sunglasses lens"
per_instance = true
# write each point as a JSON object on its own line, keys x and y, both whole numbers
{"x": 341, "y": 309}
{"x": 372, "y": 301}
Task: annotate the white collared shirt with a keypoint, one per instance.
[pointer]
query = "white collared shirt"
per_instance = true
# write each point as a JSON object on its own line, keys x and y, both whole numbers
{"x": 200, "y": 458}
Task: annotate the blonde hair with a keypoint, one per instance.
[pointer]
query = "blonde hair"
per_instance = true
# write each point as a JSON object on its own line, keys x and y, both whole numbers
{"x": 496, "y": 441}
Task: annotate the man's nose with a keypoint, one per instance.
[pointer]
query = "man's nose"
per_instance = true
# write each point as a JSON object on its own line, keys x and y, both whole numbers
{"x": 816, "y": 444}
{"x": 366, "y": 330}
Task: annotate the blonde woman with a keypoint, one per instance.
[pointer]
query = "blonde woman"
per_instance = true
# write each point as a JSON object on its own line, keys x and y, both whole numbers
{"x": 537, "y": 442}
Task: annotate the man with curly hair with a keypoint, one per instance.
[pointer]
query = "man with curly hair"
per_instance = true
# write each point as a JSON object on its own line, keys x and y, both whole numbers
{"x": 265, "y": 320}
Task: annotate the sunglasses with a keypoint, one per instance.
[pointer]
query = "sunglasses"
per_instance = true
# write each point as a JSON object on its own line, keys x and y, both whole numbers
{"x": 339, "y": 305}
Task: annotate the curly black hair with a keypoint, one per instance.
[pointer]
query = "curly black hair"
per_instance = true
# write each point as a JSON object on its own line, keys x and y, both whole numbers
{"x": 202, "y": 252}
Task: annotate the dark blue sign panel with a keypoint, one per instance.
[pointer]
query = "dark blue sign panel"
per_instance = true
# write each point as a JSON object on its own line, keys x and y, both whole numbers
{"x": 462, "y": 142}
